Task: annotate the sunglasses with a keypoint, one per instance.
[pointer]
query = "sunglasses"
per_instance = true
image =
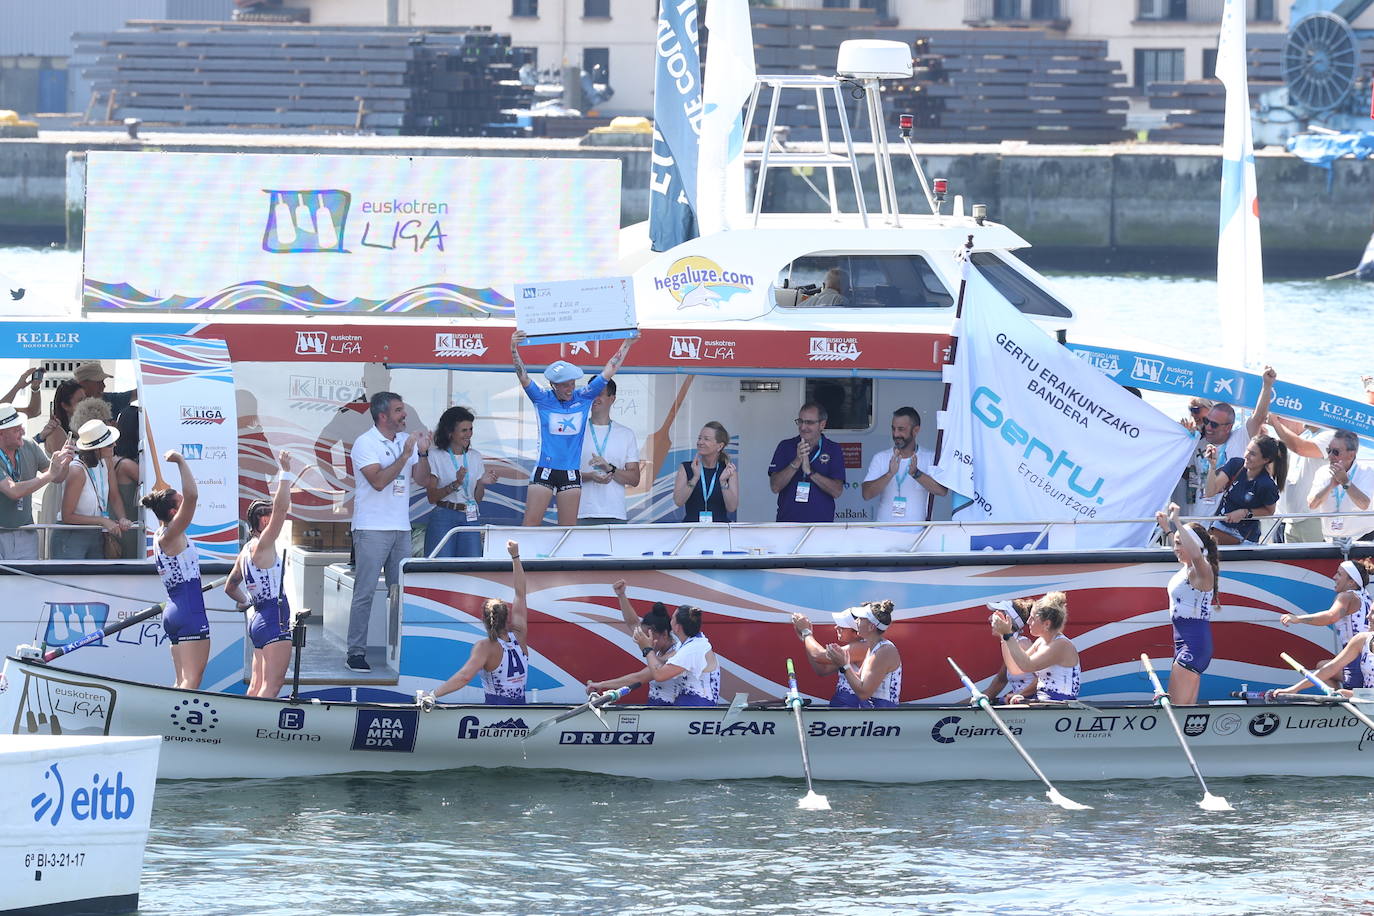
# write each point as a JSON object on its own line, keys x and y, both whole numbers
{"x": 1196, "y": 409}
{"x": 1335, "y": 452}
{"x": 1213, "y": 424}
{"x": 801, "y": 422}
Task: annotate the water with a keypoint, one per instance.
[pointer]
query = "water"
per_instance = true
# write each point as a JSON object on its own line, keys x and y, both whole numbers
{"x": 474, "y": 842}
{"x": 509, "y": 842}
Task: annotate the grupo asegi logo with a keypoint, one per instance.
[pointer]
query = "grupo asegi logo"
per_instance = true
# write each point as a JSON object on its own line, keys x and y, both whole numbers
{"x": 102, "y": 801}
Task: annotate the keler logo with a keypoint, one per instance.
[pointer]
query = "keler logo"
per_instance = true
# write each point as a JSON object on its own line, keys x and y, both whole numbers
{"x": 1266, "y": 723}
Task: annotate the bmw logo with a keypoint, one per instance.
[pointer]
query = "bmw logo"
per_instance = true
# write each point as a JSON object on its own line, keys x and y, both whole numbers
{"x": 1266, "y": 723}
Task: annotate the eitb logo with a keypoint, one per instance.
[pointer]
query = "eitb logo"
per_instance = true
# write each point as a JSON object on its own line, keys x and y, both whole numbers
{"x": 301, "y": 222}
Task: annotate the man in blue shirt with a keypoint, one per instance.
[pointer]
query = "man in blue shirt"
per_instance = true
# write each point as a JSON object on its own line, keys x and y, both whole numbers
{"x": 807, "y": 472}
{"x": 563, "y": 411}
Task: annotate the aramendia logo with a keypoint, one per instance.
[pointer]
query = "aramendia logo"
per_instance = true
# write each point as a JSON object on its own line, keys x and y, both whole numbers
{"x": 101, "y": 802}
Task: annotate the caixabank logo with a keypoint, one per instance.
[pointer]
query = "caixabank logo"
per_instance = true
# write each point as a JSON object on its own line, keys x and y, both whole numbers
{"x": 305, "y": 221}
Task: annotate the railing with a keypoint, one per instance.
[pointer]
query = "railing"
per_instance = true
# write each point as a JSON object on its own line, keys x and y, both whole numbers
{"x": 1201, "y": 10}
{"x": 983, "y": 12}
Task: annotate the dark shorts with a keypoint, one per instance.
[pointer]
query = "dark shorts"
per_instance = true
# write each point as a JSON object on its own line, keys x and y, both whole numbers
{"x": 557, "y": 481}
{"x": 269, "y": 627}
{"x": 185, "y": 624}
{"x": 1192, "y": 644}
{"x": 1352, "y": 676}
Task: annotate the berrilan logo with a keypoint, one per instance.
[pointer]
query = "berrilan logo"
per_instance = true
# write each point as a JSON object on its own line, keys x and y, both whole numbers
{"x": 201, "y": 416}
{"x": 834, "y": 349}
{"x": 459, "y": 345}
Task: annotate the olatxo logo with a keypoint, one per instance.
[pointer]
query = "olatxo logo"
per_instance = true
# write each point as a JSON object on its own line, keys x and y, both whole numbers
{"x": 1264, "y": 724}
{"x": 194, "y": 716}
{"x": 102, "y": 801}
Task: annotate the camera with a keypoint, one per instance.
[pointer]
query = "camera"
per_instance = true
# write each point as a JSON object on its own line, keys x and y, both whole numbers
{"x": 39, "y": 373}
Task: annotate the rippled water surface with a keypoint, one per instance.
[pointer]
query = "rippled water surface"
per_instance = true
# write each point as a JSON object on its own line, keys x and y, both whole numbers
{"x": 506, "y": 842}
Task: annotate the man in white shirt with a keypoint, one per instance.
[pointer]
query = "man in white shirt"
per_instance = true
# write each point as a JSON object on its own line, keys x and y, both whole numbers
{"x": 1307, "y": 447}
{"x": 1219, "y": 428}
{"x": 384, "y": 460}
{"x": 610, "y": 463}
{"x": 897, "y": 476}
{"x": 1343, "y": 485}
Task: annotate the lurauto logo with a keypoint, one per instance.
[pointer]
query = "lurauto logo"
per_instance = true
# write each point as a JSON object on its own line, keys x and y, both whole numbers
{"x": 103, "y": 801}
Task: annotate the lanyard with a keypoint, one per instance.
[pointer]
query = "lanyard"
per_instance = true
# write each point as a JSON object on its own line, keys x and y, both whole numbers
{"x": 1338, "y": 493}
{"x": 13, "y": 469}
{"x": 600, "y": 446}
{"x": 455, "y": 468}
{"x": 903, "y": 474}
{"x": 707, "y": 491}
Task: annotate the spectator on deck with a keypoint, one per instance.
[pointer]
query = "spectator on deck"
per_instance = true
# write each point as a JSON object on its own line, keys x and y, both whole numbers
{"x": 384, "y": 459}
{"x": 1307, "y": 447}
{"x": 33, "y": 380}
{"x": 128, "y": 474}
{"x": 92, "y": 378}
{"x": 58, "y": 429}
{"x": 91, "y": 497}
{"x": 1249, "y": 488}
{"x": 834, "y": 289}
{"x": 1343, "y": 485}
{"x": 707, "y": 487}
{"x": 807, "y": 471}
{"x": 610, "y": 463}
{"x": 459, "y": 481}
{"x": 24, "y": 469}
{"x": 1220, "y": 431}
{"x": 897, "y": 476}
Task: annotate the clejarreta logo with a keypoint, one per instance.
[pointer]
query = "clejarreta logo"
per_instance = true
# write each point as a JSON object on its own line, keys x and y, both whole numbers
{"x": 101, "y": 802}
{"x": 984, "y": 406}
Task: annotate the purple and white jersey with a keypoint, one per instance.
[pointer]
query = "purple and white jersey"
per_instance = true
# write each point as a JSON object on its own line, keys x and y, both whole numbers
{"x": 1187, "y": 602}
{"x": 505, "y": 684}
{"x": 1059, "y": 682}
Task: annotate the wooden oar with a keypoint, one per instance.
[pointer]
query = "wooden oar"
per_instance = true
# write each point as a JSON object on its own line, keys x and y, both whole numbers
{"x": 146, "y": 613}
{"x": 656, "y": 448}
{"x": 159, "y": 483}
{"x": 1209, "y": 801}
{"x": 1326, "y": 689}
{"x": 981, "y": 699}
{"x": 605, "y": 698}
{"x": 810, "y": 801}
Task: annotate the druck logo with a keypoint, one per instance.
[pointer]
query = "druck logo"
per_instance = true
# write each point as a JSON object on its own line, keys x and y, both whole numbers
{"x": 102, "y": 801}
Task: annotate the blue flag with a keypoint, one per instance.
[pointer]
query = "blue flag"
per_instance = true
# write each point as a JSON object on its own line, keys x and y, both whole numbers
{"x": 677, "y": 126}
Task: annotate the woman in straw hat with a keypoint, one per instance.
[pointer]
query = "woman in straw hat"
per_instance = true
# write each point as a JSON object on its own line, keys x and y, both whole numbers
{"x": 91, "y": 498}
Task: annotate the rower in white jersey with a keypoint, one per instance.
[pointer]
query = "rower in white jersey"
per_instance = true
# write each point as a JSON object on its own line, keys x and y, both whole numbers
{"x": 178, "y": 564}
{"x": 846, "y": 636}
{"x": 657, "y": 626}
{"x": 259, "y": 568}
{"x": 878, "y": 680}
{"x": 1349, "y": 614}
{"x": 1052, "y": 656}
{"x": 1010, "y": 680}
{"x": 694, "y": 660}
{"x": 1359, "y": 650}
{"x": 501, "y": 659}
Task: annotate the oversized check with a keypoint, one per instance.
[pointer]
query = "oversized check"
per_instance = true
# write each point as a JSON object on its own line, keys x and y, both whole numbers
{"x": 602, "y": 308}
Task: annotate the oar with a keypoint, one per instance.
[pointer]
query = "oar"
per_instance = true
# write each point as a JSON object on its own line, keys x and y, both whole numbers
{"x": 1209, "y": 801}
{"x": 1326, "y": 689}
{"x": 981, "y": 699}
{"x": 605, "y": 698}
{"x": 810, "y": 801}
{"x": 146, "y": 613}
{"x": 158, "y": 483}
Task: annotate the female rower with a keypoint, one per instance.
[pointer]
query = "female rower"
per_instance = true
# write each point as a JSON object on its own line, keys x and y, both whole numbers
{"x": 91, "y": 498}
{"x": 460, "y": 481}
{"x": 1194, "y": 592}
{"x": 878, "y": 680}
{"x": 1358, "y": 650}
{"x": 178, "y": 563}
{"x": 502, "y": 658}
{"x": 1012, "y": 682}
{"x": 1349, "y": 614}
{"x": 847, "y": 638}
{"x": 707, "y": 487}
{"x": 659, "y": 628}
{"x": 694, "y": 661}
{"x": 1252, "y": 486}
{"x": 259, "y": 566}
{"x": 1051, "y": 656}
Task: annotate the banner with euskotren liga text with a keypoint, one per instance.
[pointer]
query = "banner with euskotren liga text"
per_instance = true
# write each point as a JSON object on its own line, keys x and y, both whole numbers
{"x": 1033, "y": 433}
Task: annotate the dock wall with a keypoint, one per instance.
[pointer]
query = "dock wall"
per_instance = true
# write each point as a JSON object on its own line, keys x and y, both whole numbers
{"x": 1133, "y": 202}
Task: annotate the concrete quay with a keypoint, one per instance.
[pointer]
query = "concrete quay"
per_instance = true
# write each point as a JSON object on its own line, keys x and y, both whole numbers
{"x": 1125, "y": 203}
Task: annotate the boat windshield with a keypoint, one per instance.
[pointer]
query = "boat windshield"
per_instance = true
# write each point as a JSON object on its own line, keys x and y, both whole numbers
{"x": 863, "y": 281}
{"x": 1019, "y": 290}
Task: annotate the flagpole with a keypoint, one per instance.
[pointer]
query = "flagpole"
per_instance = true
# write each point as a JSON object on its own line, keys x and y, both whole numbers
{"x": 965, "y": 267}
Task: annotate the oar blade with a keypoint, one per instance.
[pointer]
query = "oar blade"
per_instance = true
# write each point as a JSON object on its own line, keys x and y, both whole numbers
{"x": 1068, "y": 804}
{"x": 1212, "y": 802}
{"x": 813, "y": 802}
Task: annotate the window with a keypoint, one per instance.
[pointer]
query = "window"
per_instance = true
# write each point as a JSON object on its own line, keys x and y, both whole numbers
{"x": 596, "y": 9}
{"x": 848, "y": 402}
{"x": 1157, "y": 66}
{"x": 862, "y": 281}
{"x": 1209, "y": 63}
{"x": 835, "y": 4}
{"x": 1176, "y": 10}
{"x": 878, "y": 6}
{"x": 593, "y": 58}
{"x": 522, "y": 56}
{"x": 1017, "y": 288}
{"x": 1006, "y": 9}
{"x": 1264, "y": 11}
{"x": 524, "y": 9}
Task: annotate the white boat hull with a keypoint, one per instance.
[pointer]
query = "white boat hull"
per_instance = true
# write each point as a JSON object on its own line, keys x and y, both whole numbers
{"x": 208, "y": 735}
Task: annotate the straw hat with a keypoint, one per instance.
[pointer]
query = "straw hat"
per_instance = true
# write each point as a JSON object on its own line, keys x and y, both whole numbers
{"x": 9, "y": 416}
{"x": 95, "y": 434}
{"x": 91, "y": 372}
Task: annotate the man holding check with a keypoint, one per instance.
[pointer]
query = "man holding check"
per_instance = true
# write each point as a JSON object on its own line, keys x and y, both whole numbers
{"x": 563, "y": 411}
